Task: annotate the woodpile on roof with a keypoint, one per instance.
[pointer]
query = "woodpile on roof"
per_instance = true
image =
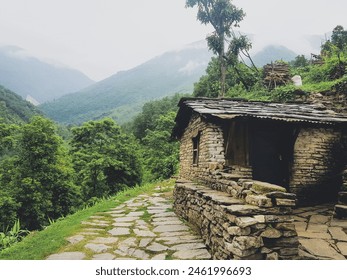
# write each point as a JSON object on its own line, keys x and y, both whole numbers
{"x": 276, "y": 74}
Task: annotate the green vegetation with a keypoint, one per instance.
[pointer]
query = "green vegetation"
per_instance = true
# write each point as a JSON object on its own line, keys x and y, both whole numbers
{"x": 13, "y": 109}
{"x": 327, "y": 73}
{"x": 152, "y": 128}
{"x": 105, "y": 159}
{"x": 44, "y": 178}
{"x": 37, "y": 177}
{"x": 222, "y": 15}
{"x": 12, "y": 236}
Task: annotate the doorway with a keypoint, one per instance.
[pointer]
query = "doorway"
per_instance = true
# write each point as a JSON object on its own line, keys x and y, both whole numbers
{"x": 271, "y": 154}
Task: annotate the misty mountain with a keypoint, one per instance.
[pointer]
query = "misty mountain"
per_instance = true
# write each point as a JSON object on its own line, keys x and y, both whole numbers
{"x": 14, "y": 109}
{"x": 40, "y": 81}
{"x": 272, "y": 53}
{"x": 122, "y": 95}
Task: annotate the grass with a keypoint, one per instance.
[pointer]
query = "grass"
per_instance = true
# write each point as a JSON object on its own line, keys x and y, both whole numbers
{"x": 39, "y": 244}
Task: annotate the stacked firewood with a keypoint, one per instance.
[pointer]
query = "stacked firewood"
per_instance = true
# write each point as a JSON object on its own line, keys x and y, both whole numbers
{"x": 276, "y": 74}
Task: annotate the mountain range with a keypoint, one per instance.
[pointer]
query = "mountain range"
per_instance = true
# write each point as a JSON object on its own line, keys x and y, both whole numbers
{"x": 70, "y": 97}
{"x": 122, "y": 95}
{"x": 35, "y": 80}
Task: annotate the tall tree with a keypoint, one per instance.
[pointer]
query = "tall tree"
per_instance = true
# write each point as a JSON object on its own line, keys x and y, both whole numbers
{"x": 104, "y": 158}
{"x": 38, "y": 176}
{"x": 160, "y": 151}
{"x": 222, "y": 15}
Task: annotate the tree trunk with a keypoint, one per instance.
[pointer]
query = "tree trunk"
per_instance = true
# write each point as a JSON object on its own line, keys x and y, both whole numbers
{"x": 222, "y": 67}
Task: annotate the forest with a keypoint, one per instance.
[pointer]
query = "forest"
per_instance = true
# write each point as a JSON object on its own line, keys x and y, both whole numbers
{"x": 48, "y": 171}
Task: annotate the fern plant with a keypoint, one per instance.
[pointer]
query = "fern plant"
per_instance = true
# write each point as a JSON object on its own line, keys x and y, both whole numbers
{"x": 12, "y": 236}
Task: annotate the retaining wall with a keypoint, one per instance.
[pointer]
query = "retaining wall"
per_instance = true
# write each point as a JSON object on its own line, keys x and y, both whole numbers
{"x": 253, "y": 223}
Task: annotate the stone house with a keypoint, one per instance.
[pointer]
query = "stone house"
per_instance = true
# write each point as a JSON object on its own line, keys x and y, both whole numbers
{"x": 245, "y": 165}
{"x": 300, "y": 147}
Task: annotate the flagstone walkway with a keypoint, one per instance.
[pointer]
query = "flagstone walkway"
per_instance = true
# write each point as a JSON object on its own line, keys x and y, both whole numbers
{"x": 321, "y": 237}
{"x": 146, "y": 228}
{"x": 142, "y": 228}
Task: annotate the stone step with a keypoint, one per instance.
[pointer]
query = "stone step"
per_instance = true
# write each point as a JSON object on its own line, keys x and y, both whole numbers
{"x": 342, "y": 198}
{"x": 341, "y": 211}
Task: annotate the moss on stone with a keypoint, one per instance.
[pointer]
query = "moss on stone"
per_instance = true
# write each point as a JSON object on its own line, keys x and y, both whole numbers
{"x": 262, "y": 187}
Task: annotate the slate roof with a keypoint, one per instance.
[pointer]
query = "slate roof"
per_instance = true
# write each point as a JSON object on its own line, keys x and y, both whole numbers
{"x": 232, "y": 108}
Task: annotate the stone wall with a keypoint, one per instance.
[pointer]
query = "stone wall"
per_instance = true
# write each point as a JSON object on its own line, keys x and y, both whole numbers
{"x": 254, "y": 223}
{"x": 317, "y": 165}
{"x": 211, "y": 149}
{"x": 211, "y": 153}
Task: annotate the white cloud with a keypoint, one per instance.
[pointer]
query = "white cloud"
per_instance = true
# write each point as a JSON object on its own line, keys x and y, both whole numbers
{"x": 191, "y": 66}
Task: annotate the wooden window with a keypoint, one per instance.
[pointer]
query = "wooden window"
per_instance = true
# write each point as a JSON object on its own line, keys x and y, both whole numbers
{"x": 237, "y": 145}
{"x": 196, "y": 144}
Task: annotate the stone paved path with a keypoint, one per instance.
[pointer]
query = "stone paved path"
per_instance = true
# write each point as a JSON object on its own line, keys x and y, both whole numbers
{"x": 320, "y": 236}
{"x": 142, "y": 228}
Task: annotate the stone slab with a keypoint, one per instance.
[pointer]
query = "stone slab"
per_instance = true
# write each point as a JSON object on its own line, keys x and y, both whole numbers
{"x": 319, "y": 219}
{"x": 67, "y": 256}
{"x": 320, "y": 248}
{"x": 314, "y": 235}
{"x": 342, "y": 246}
{"x": 105, "y": 256}
{"x": 167, "y": 223}
{"x": 140, "y": 254}
{"x": 122, "y": 224}
{"x": 199, "y": 254}
{"x": 171, "y": 228}
{"x": 144, "y": 233}
{"x": 320, "y": 228}
{"x": 159, "y": 257}
{"x": 135, "y": 214}
{"x": 164, "y": 214}
{"x": 156, "y": 247}
{"x": 130, "y": 242}
{"x": 75, "y": 239}
{"x": 95, "y": 224}
{"x": 105, "y": 240}
{"x": 337, "y": 233}
{"x": 119, "y": 231}
{"x": 145, "y": 241}
{"x": 125, "y": 219}
{"x": 338, "y": 223}
{"x": 188, "y": 246}
{"x": 167, "y": 219}
{"x": 171, "y": 233}
{"x": 97, "y": 248}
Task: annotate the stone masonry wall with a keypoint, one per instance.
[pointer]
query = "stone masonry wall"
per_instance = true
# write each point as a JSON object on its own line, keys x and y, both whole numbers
{"x": 211, "y": 153}
{"x": 211, "y": 149}
{"x": 317, "y": 165}
{"x": 254, "y": 223}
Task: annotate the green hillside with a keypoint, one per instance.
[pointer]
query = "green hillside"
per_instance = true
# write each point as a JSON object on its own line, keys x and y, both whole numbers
{"x": 122, "y": 95}
{"x": 13, "y": 109}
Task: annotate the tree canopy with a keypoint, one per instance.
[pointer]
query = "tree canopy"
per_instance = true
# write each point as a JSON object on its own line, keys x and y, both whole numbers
{"x": 104, "y": 158}
{"x": 222, "y": 15}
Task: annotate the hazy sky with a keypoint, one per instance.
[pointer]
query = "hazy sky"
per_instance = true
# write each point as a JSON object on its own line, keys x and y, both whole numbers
{"x": 101, "y": 37}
